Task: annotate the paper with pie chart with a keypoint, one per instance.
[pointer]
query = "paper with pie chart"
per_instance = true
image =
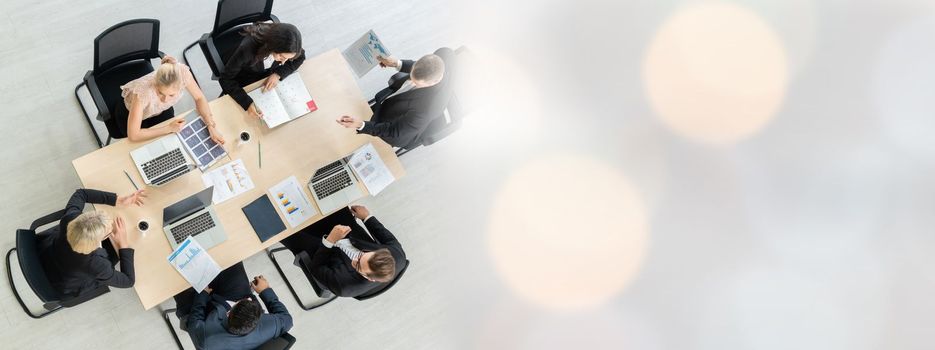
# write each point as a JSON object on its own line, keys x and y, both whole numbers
{"x": 292, "y": 202}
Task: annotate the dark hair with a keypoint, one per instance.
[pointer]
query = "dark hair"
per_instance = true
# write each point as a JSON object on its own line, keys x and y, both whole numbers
{"x": 244, "y": 317}
{"x": 274, "y": 38}
{"x": 382, "y": 265}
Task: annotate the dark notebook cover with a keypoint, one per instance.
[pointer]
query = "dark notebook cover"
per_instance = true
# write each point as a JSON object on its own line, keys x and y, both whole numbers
{"x": 263, "y": 218}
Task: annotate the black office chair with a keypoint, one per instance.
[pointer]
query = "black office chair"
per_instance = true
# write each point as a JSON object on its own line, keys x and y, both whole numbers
{"x": 232, "y": 15}
{"x": 455, "y": 110}
{"x": 28, "y": 246}
{"x": 121, "y": 53}
{"x": 283, "y": 342}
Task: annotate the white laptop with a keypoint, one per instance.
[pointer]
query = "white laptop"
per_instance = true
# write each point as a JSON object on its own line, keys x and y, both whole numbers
{"x": 193, "y": 216}
{"x": 334, "y": 186}
{"x": 162, "y": 160}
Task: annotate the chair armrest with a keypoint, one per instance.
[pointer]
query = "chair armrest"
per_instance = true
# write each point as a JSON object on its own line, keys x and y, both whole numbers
{"x": 103, "y": 111}
{"x": 48, "y": 219}
{"x": 86, "y": 296}
{"x": 161, "y": 54}
{"x": 211, "y": 53}
{"x": 273, "y": 18}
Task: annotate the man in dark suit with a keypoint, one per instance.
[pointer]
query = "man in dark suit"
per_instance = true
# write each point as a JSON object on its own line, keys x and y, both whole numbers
{"x": 402, "y": 113}
{"x": 227, "y": 316}
{"x": 347, "y": 261}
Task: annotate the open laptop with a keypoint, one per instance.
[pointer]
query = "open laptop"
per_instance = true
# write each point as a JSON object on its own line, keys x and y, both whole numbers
{"x": 162, "y": 160}
{"x": 193, "y": 216}
{"x": 334, "y": 186}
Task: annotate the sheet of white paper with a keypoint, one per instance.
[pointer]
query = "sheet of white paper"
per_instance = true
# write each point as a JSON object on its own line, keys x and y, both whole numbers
{"x": 194, "y": 263}
{"x": 370, "y": 169}
{"x": 294, "y": 96}
{"x": 274, "y": 113}
{"x": 229, "y": 181}
{"x": 292, "y": 201}
{"x": 362, "y": 55}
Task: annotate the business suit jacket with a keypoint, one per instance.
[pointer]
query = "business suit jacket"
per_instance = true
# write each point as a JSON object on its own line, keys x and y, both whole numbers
{"x": 400, "y": 119}
{"x": 207, "y": 323}
{"x": 333, "y": 269}
{"x": 242, "y": 69}
{"x": 73, "y": 273}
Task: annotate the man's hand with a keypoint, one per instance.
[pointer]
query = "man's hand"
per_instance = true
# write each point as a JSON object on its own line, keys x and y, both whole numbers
{"x": 119, "y": 235}
{"x": 338, "y": 233}
{"x": 387, "y": 61}
{"x": 259, "y": 284}
{"x": 131, "y": 199}
{"x": 209, "y": 290}
{"x": 176, "y": 125}
{"x": 361, "y": 212}
{"x": 350, "y": 122}
{"x": 253, "y": 111}
{"x": 271, "y": 82}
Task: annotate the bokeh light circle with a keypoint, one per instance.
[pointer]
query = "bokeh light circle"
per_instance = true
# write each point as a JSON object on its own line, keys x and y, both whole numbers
{"x": 715, "y": 73}
{"x": 567, "y": 232}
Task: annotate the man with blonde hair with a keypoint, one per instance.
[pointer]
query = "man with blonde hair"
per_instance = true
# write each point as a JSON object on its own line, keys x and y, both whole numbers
{"x": 77, "y": 261}
{"x": 402, "y": 112}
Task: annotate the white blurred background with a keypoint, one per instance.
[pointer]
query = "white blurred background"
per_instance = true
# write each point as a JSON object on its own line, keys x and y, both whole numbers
{"x": 695, "y": 175}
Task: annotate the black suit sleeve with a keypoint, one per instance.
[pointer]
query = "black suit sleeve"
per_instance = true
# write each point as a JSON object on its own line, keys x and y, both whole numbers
{"x": 407, "y": 66}
{"x": 290, "y": 66}
{"x": 125, "y": 278}
{"x": 241, "y": 58}
{"x": 196, "y": 320}
{"x": 77, "y": 201}
{"x": 380, "y": 233}
{"x": 325, "y": 273}
{"x": 400, "y": 130}
{"x": 277, "y": 310}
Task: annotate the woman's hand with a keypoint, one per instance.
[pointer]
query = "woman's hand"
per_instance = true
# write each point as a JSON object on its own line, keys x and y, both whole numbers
{"x": 131, "y": 199}
{"x": 119, "y": 236}
{"x": 175, "y": 125}
{"x": 255, "y": 112}
{"x": 216, "y": 135}
{"x": 271, "y": 82}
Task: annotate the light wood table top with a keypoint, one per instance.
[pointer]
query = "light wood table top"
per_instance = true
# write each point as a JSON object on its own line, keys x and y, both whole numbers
{"x": 296, "y": 148}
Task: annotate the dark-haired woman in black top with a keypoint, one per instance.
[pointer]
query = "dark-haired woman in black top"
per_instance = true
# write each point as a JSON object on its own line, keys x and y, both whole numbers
{"x": 280, "y": 41}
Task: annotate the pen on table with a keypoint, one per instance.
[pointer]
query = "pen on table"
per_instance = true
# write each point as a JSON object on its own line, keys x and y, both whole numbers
{"x": 131, "y": 180}
{"x": 259, "y": 151}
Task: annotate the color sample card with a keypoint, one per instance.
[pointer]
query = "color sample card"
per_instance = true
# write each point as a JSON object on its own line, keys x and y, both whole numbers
{"x": 197, "y": 140}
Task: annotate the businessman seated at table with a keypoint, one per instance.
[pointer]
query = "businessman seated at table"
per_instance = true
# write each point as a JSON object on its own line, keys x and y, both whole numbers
{"x": 226, "y": 314}
{"x": 345, "y": 259}
{"x": 401, "y": 116}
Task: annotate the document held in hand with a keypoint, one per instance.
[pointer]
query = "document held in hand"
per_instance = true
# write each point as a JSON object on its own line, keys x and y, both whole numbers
{"x": 287, "y": 101}
{"x": 370, "y": 169}
{"x": 362, "y": 55}
{"x": 194, "y": 263}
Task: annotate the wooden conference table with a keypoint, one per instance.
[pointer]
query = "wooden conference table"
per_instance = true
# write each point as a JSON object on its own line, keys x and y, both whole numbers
{"x": 297, "y": 148}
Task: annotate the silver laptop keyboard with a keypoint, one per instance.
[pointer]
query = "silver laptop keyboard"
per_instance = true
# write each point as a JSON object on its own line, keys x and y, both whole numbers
{"x": 196, "y": 225}
{"x": 163, "y": 164}
{"x": 326, "y": 171}
{"x": 332, "y": 184}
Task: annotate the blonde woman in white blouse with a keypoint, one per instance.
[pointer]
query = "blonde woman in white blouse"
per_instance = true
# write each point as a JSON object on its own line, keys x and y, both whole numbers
{"x": 148, "y": 101}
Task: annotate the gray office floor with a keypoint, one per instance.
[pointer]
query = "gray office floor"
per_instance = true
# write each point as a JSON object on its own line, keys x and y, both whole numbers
{"x": 46, "y": 48}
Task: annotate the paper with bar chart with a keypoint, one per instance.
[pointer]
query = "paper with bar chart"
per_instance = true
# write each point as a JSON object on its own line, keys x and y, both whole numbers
{"x": 194, "y": 263}
{"x": 362, "y": 55}
{"x": 292, "y": 202}
{"x": 229, "y": 181}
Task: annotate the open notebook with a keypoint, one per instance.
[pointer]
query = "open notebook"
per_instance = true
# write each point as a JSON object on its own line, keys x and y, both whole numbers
{"x": 289, "y": 100}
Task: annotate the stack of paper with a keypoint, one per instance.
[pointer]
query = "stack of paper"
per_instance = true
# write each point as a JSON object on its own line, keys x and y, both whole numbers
{"x": 194, "y": 263}
{"x": 292, "y": 201}
{"x": 370, "y": 169}
{"x": 229, "y": 181}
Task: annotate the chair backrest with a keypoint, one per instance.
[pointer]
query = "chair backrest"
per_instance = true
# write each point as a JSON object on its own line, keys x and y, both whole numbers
{"x": 383, "y": 287}
{"x": 127, "y": 41}
{"x": 305, "y": 263}
{"x": 27, "y": 253}
{"x": 283, "y": 342}
{"x": 231, "y": 13}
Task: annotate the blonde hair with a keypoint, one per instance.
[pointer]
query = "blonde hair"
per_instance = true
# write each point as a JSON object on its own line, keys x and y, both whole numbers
{"x": 86, "y": 232}
{"x": 168, "y": 74}
{"x": 429, "y": 69}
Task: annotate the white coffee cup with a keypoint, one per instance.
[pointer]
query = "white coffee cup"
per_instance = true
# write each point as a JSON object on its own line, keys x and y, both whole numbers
{"x": 244, "y": 137}
{"x": 143, "y": 226}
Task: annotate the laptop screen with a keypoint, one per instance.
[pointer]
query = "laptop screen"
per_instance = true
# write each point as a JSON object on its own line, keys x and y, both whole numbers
{"x": 187, "y": 206}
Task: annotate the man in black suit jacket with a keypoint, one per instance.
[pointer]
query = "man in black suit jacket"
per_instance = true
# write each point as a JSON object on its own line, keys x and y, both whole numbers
{"x": 347, "y": 261}
{"x": 227, "y": 316}
{"x": 401, "y": 116}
